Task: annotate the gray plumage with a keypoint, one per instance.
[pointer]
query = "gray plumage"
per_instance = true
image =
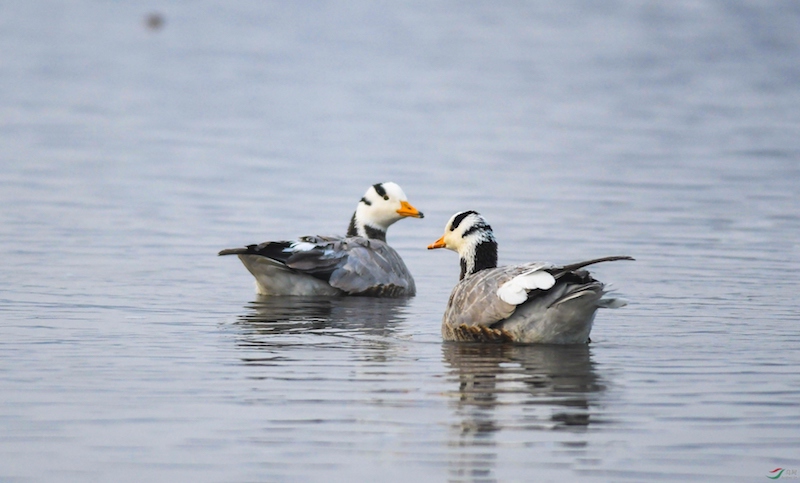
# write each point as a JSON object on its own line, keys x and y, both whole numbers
{"x": 327, "y": 265}
{"x": 361, "y": 263}
{"x": 529, "y": 303}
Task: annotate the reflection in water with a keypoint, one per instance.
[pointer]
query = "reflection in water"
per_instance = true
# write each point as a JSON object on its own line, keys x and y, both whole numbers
{"x": 515, "y": 387}
{"x": 281, "y": 322}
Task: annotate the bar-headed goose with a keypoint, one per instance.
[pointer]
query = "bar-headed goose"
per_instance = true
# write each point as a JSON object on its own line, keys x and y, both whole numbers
{"x": 361, "y": 263}
{"x": 532, "y": 302}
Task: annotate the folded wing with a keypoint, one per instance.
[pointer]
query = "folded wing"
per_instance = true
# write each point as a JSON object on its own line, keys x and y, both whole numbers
{"x": 355, "y": 265}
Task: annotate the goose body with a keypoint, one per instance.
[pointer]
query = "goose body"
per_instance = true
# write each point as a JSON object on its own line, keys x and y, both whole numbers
{"x": 360, "y": 263}
{"x": 534, "y": 302}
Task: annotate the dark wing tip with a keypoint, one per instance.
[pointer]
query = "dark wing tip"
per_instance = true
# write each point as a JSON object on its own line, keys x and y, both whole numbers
{"x": 576, "y": 266}
{"x": 232, "y": 251}
{"x": 249, "y": 249}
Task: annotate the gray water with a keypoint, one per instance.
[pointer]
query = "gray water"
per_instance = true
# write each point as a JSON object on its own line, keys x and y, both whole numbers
{"x": 669, "y": 131}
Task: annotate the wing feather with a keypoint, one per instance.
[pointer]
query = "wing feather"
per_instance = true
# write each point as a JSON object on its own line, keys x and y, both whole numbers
{"x": 515, "y": 291}
{"x": 354, "y": 265}
{"x": 475, "y": 300}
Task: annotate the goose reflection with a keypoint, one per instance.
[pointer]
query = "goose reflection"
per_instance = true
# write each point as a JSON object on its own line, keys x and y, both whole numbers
{"x": 516, "y": 388}
{"x": 272, "y": 322}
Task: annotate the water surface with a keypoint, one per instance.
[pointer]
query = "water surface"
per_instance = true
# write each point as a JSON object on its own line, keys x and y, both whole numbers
{"x": 132, "y": 155}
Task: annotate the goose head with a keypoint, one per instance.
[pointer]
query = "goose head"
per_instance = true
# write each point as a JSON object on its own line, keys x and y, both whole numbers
{"x": 468, "y": 234}
{"x": 382, "y": 205}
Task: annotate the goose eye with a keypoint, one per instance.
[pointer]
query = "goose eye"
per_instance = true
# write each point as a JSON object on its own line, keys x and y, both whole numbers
{"x": 386, "y": 197}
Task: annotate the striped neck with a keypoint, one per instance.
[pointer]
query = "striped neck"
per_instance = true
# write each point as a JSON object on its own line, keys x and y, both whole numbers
{"x": 357, "y": 228}
{"x": 479, "y": 257}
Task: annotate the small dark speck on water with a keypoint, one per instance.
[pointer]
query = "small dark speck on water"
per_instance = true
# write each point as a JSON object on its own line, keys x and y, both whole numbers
{"x": 154, "y": 21}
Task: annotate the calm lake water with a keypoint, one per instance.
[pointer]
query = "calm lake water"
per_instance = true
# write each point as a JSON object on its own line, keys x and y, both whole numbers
{"x": 669, "y": 131}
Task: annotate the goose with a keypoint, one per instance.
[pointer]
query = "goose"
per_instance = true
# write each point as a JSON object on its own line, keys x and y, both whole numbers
{"x": 535, "y": 302}
{"x": 361, "y": 263}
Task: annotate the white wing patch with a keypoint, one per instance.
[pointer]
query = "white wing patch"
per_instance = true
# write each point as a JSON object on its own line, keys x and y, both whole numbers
{"x": 301, "y": 247}
{"x": 515, "y": 291}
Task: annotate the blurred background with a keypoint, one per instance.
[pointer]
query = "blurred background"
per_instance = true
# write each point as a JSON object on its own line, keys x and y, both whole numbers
{"x": 139, "y": 138}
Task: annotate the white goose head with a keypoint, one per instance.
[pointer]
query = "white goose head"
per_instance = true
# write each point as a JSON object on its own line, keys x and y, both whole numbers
{"x": 468, "y": 234}
{"x": 382, "y": 205}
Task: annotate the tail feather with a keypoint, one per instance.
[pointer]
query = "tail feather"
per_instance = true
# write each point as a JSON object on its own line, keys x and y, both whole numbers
{"x": 233, "y": 251}
{"x": 576, "y": 266}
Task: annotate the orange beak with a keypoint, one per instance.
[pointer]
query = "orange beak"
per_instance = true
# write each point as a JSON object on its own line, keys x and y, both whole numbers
{"x": 407, "y": 210}
{"x": 437, "y": 244}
